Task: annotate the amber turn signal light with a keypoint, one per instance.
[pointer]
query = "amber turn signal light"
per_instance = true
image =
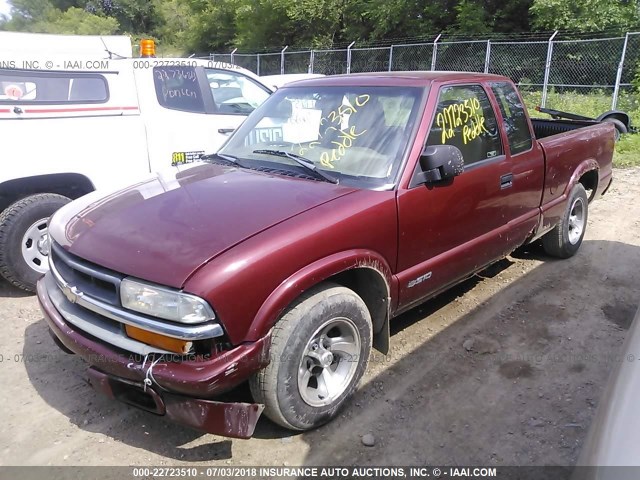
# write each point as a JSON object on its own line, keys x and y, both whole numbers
{"x": 156, "y": 340}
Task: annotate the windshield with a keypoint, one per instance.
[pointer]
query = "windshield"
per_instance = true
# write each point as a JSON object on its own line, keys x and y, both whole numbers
{"x": 358, "y": 135}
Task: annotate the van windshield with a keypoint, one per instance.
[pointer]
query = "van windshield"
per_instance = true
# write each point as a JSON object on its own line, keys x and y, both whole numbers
{"x": 358, "y": 135}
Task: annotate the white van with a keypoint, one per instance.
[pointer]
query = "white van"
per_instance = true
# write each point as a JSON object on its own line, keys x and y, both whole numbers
{"x": 78, "y": 113}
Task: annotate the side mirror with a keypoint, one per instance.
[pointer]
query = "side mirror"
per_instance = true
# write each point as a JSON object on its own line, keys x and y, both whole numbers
{"x": 439, "y": 163}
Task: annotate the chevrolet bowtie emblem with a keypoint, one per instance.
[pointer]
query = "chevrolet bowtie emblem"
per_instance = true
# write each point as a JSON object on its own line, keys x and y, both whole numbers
{"x": 71, "y": 293}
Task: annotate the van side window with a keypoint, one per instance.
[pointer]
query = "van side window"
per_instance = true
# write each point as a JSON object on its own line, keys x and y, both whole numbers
{"x": 465, "y": 119}
{"x": 41, "y": 87}
{"x": 515, "y": 117}
{"x": 177, "y": 88}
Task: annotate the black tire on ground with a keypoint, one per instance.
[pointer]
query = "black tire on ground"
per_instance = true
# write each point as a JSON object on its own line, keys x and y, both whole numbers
{"x": 620, "y": 127}
{"x": 15, "y": 220}
{"x": 565, "y": 239}
{"x": 293, "y": 336}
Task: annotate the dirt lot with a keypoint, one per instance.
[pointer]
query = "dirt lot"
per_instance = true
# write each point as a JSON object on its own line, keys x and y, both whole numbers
{"x": 506, "y": 369}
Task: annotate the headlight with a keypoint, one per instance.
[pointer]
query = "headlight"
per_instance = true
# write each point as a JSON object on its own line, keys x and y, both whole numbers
{"x": 164, "y": 303}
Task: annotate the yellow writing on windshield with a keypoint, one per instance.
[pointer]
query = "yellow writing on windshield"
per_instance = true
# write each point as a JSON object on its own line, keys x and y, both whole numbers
{"x": 467, "y": 115}
{"x": 337, "y": 115}
{"x": 345, "y": 141}
{"x": 334, "y": 121}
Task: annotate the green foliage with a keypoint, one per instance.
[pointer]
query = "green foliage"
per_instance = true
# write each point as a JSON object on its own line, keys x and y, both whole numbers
{"x": 173, "y": 21}
{"x": 470, "y": 18}
{"x": 585, "y": 15}
{"x": 627, "y": 152}
{"x": 214, "y": 25}
{"x": 76, "y": 21}
{"x": 71, "y": 21}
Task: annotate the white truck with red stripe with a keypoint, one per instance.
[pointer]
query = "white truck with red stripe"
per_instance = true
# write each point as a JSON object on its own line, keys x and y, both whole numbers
{"x": 78, "y": 113}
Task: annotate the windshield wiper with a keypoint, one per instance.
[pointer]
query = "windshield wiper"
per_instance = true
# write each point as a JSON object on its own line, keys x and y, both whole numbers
{"x": 224, "y": 157}
{"x": 303, "y": 162}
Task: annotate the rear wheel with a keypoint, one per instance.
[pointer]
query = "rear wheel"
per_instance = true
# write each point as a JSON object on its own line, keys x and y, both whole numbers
{"x": 566, "y": 237}
{"x": 319, "y": 351}
{"x": 24, "y": 236}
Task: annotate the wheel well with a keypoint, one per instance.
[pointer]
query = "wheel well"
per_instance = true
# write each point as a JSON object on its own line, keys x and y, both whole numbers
{"x": 371, "y": 286}
{"x": 71, "y": 185}
{"x": 589, "y": 181}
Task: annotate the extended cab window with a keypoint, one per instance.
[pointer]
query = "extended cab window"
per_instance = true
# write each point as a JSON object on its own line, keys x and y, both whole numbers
{"x": 25, "y": 87}
{"x": 177, "y": 88}
{"x": 515, "y": 118}
{"x": 465, "y": 119}
{"x": 234, "y": 93}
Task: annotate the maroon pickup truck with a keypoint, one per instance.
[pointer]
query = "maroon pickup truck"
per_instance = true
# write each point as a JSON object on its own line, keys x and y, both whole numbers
{"x": 340, "y": 203}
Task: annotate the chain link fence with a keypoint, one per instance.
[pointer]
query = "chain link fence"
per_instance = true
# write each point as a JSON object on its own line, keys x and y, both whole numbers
{"x": 605, "y": 65}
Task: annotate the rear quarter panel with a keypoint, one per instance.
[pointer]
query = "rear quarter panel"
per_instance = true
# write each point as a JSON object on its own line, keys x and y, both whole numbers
{"x": 570, "y": 155}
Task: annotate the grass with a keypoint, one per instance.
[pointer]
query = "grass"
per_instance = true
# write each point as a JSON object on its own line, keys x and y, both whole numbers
{"x": 627, "y": 152}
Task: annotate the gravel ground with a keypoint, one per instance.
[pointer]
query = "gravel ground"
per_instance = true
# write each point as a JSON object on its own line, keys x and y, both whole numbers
{"x": 505, "y": 369}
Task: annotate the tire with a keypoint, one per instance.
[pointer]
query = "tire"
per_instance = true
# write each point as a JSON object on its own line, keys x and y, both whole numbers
{"x": 566, "y": 237}
{"x": 25, "y": 223}
{"x": 286, "y": 385}
{"x": 620, "y": 127}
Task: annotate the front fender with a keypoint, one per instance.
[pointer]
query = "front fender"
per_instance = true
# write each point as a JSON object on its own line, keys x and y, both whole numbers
{"x": 311, "y": 275}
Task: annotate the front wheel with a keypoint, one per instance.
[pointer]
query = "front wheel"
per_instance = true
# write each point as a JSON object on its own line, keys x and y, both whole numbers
{"x": 24, "y": 238}
{"x": 566, "y": 237}
{"x": 319, "y": 351}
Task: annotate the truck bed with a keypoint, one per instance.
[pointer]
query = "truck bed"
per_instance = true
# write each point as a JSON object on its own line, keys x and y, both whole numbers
{"x": 545, "y": 127}
{"x": 569, "y": 149}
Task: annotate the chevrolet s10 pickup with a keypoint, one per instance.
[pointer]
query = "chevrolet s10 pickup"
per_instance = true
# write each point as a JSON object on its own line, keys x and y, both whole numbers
{"x": 338, "y": 204}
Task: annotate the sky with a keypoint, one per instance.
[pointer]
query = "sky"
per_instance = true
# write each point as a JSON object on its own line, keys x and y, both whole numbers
{"x": 4, "y": 7}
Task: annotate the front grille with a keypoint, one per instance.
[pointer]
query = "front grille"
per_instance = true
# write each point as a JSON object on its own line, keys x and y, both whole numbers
{"x": 88, "y": 296}
{"x": 95, "y": 281}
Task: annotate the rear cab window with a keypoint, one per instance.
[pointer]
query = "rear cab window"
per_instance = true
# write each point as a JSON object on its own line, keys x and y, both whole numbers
{"x": 206, "y": 90}
{"x": 46, "y": 88}
{"x": 515, "y": 117}
{"x": 465, "y": 119}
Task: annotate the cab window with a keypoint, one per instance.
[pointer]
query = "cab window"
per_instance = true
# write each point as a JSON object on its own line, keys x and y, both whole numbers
{"x": 515, "y": 117}
{"x": 465, "y": 119}
{"x": 234, "y": 93}
{"x": 177, "y": 88}
{"x": 30, "y": 87}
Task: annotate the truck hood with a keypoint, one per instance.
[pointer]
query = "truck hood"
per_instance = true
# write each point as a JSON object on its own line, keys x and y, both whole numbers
{"x": 165, "y": 228}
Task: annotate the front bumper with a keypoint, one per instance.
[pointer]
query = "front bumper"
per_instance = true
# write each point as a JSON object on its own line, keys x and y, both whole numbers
{"x": 181, "y": 389}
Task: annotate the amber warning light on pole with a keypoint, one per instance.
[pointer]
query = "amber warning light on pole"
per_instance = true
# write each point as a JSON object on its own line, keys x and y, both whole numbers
{"x": 147, "y": 48}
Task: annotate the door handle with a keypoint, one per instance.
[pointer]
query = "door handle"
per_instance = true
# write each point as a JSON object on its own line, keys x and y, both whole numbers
{"x": 225, "y": 131}
{"x": 506, "y": 181}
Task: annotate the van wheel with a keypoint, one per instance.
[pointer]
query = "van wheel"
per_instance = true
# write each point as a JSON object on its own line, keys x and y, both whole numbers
{"x": 566, "y": 237}
{"x": 24, "y": 238}
{"x": 319, "y": 351}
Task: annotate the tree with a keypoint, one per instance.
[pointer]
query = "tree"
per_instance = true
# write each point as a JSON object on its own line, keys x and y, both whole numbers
{"x": 75, "y": 21}
{"x": 471, "y": 18}
{"x": 585, "y": 15}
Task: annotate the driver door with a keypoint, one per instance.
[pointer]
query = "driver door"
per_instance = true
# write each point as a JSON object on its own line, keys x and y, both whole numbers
{"x": 450, "y": 230}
